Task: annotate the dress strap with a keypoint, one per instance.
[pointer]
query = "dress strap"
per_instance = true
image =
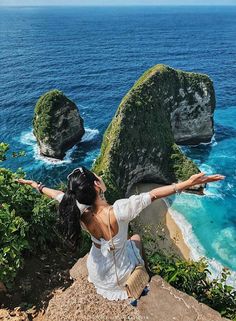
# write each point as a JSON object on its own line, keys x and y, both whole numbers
{"x": 109, "y": 227}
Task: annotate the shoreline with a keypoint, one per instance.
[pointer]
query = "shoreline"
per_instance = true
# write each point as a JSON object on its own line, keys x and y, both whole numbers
{"x": 159, "y": 212}
{"x": 159, "y": 219}
{"x": 175, "y": 229}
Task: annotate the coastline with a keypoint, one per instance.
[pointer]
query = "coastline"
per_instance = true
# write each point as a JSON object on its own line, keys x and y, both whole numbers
{"x": 174, "y": 229}
{"x": 160, "y": 221}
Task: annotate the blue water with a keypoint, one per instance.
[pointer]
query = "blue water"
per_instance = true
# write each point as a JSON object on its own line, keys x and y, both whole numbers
{"x": 94, "y": 55}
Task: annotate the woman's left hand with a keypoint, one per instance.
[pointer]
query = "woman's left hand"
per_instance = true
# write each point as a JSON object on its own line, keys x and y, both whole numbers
{"x": 202, "y": 178}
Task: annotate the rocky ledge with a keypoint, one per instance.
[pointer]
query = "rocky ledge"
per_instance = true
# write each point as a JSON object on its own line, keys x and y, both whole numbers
{"x": 81, "y": 302}
{"x": 57, "y": 124}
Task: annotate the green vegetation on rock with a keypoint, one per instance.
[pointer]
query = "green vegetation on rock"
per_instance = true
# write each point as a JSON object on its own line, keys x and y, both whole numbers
{"x": 57, "y": 124}
{"x": 181, "y": 164}
{"x": 44, "y": 111}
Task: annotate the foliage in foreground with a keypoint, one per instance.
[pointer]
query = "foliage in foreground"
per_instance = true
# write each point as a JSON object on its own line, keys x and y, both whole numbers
{"x": 192, "y": 278}
{"x": 27, "y": 223}
{"x": 3, "y": 149}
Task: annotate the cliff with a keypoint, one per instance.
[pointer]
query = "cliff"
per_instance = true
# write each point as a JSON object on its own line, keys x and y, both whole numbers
{"x": 165, "y": 106}
{"x": 57, "y": 124}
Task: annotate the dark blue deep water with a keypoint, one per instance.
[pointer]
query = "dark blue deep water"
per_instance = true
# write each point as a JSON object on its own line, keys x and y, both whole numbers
{"x": 94, "y": 55}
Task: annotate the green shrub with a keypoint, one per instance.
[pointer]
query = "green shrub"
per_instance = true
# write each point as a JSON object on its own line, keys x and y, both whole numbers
{"x": 221, "y": 296}
{"x": 38, "y": 211}
{"x": 3, "y": 149}
{"x": 13, "y": 241}
{"x": 27, "y": 222}
{"x": 188, "y": 276}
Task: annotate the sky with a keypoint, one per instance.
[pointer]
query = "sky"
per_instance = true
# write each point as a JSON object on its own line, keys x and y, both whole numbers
{"x": 114, "y": 2}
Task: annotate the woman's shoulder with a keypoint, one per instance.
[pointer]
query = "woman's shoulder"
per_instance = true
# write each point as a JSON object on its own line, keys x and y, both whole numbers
{"x": 128, "y": 208}
{"x": 59, "y": 196}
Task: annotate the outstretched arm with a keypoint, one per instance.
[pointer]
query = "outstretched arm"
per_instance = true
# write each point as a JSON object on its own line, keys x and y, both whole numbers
{"x": 196, "y": 179}
{"x": 52, "y": 193}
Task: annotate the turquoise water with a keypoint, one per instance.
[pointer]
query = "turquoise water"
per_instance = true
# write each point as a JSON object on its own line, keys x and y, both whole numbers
{"x": 95, "y": 55}
{"x": 212, "y": 217}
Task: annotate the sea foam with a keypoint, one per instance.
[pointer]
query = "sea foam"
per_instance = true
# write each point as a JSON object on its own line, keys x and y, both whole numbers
{"x": 28, "y": 138}
{"x": 197, "y": 251}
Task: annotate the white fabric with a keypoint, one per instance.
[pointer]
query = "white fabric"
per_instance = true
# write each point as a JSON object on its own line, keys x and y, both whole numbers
{"x": 100, "y": 263}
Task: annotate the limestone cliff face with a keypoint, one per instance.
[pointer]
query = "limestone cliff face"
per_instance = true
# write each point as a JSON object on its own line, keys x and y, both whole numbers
{"x": 57, "y": 124}
{"x": 163, "y": 107}
{"x": 189, "y": 99}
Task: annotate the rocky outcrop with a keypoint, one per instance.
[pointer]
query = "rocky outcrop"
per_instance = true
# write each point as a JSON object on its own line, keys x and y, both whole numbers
{"x": 163, "y": 303}
{"x": 57, "y": 124}
{"x": 81, "y": 302}
{"x": 163, "y": 107}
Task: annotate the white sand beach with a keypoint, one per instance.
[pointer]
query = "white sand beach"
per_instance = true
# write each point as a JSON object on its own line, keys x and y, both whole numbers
{"x": 158, "y": 217}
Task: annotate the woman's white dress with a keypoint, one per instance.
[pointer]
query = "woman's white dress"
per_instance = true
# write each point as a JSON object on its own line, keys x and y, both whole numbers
{"x": 100, "y": 262}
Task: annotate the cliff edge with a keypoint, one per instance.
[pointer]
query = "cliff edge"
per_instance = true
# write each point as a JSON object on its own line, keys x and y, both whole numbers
{"x": 163, "y": 303}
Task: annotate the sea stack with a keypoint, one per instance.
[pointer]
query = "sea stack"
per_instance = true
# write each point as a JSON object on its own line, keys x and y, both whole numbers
{"x": 57, "y": 124}
{"x": 164, "y": 107}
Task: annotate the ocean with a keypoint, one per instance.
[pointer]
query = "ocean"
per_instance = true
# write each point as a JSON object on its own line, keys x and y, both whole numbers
{"x": 94, "y": 55}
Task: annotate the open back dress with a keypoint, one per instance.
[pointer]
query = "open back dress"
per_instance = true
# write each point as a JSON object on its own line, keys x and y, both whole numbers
{"x": 100, "y": 262}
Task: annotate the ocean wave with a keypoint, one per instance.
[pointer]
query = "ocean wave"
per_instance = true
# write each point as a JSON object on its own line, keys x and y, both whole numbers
{"x": 28, "y": 138}
{"x": 197, "y": 251}
{"x": 90, "y": 134}
{"x": 213, "y": 194}
{"x": 212, "y": 142}
{"x": 207, "y": 169}
{"x": 212, "y": 191}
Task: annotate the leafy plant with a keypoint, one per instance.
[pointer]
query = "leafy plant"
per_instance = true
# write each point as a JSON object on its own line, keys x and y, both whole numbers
{"x": 13, "y": 241}
{"x": 27, "y": 222}
{"x": 3, "y": 149}
{"x": 38, "y": 211}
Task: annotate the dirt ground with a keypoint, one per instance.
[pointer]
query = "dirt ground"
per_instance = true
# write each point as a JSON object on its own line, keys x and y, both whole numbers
{"x": 36, "y": 283}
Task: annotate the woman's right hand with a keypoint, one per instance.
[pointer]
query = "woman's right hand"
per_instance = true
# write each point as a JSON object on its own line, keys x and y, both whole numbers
{"x": 27, "y": 182}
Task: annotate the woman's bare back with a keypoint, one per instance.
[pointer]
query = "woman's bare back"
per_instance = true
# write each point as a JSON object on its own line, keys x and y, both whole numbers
{"x": 97, "y": 224}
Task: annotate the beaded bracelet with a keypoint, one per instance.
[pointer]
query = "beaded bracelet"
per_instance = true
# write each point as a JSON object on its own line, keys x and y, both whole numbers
{"x": 40, "y": 187}
{"x": 176, "y": 190}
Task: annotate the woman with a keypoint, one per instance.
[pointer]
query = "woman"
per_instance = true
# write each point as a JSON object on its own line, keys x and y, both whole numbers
{"x": 83, "y": 204}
